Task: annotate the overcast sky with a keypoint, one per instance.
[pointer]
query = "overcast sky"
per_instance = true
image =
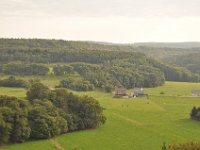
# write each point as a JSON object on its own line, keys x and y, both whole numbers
{"x": 123, "y": 21}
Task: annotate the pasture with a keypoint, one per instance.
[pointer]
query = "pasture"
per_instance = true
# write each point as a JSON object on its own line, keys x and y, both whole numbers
{"x": 132, "y": 124}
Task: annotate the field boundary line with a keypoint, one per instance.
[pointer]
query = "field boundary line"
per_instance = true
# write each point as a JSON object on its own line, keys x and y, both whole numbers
{"x": 56, "y": 145}
{"x": 132, "y": 121}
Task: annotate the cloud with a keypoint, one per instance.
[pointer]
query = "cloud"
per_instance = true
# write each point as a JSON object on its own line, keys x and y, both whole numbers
{"x": 100, "y": 8}
{"x": 101, "y": 20}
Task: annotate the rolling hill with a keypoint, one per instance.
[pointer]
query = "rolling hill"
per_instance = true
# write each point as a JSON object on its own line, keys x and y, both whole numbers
{"x": 119, "y": 61}
{"x": 170, "y": 45}
{"x": 189, "y": 61}
{"x": 162, "y": 50}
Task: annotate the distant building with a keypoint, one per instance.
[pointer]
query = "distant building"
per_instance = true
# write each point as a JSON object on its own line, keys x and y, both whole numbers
{"x": 196, "y": 93}
{"x": 138, "y": 92}
{"x": 119, "y": 92}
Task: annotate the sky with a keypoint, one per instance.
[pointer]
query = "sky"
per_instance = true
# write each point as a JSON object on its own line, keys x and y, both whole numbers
{"x": 119, "y": 21}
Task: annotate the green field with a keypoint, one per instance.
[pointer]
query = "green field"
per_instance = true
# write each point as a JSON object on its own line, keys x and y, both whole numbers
{"x": 132, "y": 124}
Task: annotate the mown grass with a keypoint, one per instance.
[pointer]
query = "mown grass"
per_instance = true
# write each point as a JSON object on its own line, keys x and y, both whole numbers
{"x": 132, "y": 124}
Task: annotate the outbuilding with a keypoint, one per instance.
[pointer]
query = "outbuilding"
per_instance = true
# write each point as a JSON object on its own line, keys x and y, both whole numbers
{"x": 196, "y": 93}
{"x": 120, "y": 92}
{"x": 138, "y": 92}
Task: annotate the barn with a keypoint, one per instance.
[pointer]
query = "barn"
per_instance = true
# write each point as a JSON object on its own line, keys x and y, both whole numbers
{"x": 196, "y": 93}
{"x": 120, "y": 92}
{"x": 138, "y": 92}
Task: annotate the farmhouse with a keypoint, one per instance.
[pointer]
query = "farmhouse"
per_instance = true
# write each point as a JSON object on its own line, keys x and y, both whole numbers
{"x": 196, "y": 93}
{"x": 138, "y": 92}
{"x": 119, "y": 92}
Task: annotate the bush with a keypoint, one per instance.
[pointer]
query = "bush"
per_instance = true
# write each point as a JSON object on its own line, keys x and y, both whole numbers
{"x": 37, "y": 91}
{"x": 195, "y": 113}
{"x": 62, "y": 70}
{"x": 78, "y": 85}
{"x": 13, "y": 82}
{"x": 108, "y": 88}
{"x": 162, "y": 93}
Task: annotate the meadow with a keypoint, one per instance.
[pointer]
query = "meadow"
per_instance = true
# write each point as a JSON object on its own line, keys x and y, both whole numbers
{"x": 132, "y": 124}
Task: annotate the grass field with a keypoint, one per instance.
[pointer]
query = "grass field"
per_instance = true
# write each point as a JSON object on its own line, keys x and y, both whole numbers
{"x": 132, "y": 124}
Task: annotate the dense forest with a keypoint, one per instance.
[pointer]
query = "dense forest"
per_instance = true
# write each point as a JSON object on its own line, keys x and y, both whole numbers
{"x": 184, "y": 45}
{"x": 189, "y": 61}
{"x": 46, "y": 113}
{"x": 23, "y": 69}
{"x": 161, "y": 50}
{"x": 99, "y": 65}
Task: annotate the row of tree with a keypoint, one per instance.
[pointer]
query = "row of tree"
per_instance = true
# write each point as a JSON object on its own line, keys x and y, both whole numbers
{"x": 153, "y": 49}
{"x": 77, "y": 85}
{"x": 46, "y": 113}
{"x": 18, "y": 68}
{"x": 129, "y": 73}
{"x": 61, "y": 70}
{"x": 13, "y": 82}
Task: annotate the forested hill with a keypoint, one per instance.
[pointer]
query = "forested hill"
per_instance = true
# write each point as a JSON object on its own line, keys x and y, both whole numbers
{"x": 123, "y": 65}
{"x": 43, "y": 44}
{"x": 60, "y": 44}
{"x": 189, "y": 61}
{"x": 170, "y": 45}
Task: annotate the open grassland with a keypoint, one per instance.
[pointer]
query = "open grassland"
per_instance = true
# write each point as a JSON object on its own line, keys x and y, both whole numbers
{"x": 132, "y": 124}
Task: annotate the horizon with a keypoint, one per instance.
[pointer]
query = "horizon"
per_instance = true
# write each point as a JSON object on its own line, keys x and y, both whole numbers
{"x": 164, "y": 42}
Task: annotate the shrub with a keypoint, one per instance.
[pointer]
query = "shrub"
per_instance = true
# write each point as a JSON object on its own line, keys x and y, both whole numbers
{"x": 78, "y": 85}
{"x": 37, "y": 91}
{"x": 162, "y": 93}
{"x": 108, "y": 88}
{"x": 13, "y": 82}
{"x": 195, "y": 113}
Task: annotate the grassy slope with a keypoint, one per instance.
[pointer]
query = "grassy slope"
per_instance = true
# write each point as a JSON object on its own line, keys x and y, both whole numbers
{"x": 137, "y": 124}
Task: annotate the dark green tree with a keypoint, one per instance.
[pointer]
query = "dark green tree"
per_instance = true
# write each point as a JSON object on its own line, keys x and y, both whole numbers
{"x": 37, "y": 91}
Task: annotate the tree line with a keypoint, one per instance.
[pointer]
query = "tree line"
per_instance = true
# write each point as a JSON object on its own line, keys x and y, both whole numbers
{"x": 147, "y": 48}
{"x": 77, "y": 85}
{"x": 189, "y": 61}
{"x": 128, "y": 73}
{"x": 46, "y": 113}
{"x": 176, "y": 73}
{"x": 13, "y": 82}
{"x": 26, "y": 69}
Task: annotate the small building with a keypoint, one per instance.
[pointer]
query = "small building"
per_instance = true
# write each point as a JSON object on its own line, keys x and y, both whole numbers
{"x": 138, "y": 92}
{"x": 196, "y": 93}
{"x": 120, "y": 92}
